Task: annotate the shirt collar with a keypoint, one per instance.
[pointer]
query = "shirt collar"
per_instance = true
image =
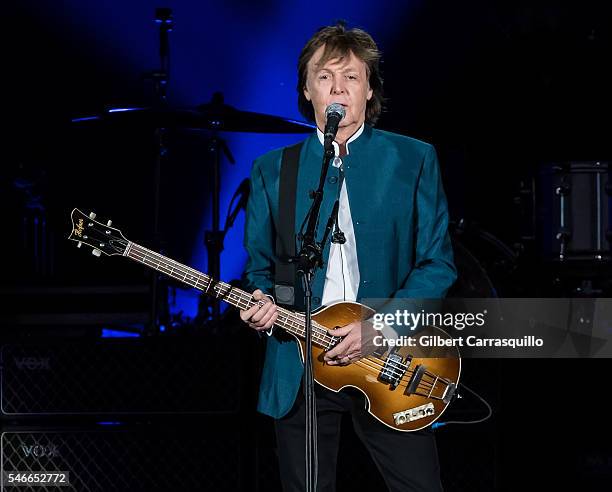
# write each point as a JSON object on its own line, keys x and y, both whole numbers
{"x": 354, "y": 137}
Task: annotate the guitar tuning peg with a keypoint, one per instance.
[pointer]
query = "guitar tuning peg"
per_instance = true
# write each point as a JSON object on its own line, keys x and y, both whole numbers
{"x": 96, "y": 252}
{"x": 79, "y": 244}
{"x": 109, "y": 223}
{"x": 92, "y": 215}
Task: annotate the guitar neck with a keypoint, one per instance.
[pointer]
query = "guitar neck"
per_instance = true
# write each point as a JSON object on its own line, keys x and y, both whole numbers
{"x": 287, "y": 320}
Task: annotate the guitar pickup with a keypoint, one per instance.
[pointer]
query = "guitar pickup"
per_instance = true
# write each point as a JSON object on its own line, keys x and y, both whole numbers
{"x": 393, "y": 370}
{"x": 416, "y": 379}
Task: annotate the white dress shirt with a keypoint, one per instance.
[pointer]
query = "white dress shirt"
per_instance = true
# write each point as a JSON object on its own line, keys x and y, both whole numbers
{"x": 342, "y": 275}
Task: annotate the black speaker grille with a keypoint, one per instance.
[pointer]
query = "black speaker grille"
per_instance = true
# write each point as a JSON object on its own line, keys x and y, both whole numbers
{"x": 145, "y": 459}
{"x": 164, "y": 375}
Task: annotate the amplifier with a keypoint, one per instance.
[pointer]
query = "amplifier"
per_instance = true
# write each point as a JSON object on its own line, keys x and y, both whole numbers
{"x": 152, "y": 375}
{"x": 204, "y": 457}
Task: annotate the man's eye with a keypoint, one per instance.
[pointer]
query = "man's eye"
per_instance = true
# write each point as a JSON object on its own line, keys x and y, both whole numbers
{"x": 323, "y": 76}
{"x": 352, "y": 77}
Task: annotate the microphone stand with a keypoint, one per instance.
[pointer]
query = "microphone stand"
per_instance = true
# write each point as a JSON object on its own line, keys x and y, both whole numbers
{"x": 159, "y": 294}
{"x": 308, "y": 260}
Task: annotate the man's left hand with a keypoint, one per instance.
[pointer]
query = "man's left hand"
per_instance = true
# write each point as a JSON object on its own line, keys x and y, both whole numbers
{"x": 356, "y": 343}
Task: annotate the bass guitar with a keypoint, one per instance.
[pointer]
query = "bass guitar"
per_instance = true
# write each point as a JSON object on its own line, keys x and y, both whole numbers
{"x": 406, "y": 388}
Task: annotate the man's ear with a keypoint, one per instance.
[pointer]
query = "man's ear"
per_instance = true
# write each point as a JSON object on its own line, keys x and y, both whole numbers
{"x": 370, "y": 94}
{"x": 306, "y": 93}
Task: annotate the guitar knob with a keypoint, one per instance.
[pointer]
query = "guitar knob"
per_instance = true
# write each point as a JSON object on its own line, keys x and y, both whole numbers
{"x": 92, "y": 215}
{"x": 79, "y": 244}
{"x": 96, "y": 252}
{"x": 109, "y": 223}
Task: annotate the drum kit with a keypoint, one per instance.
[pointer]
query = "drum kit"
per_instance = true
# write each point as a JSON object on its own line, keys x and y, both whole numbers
{"x": 213, "y": 117}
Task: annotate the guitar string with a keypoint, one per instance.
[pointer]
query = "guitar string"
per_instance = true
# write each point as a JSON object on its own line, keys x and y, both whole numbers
{"x": 230, "y": 292}
{"x": 391, "y": 367}
{"x": 320, "y": 334}
{"x": 241, "y": 301}
{"x": 395, "y": 368}
{"x": 365, "y": 362}
{"x": 197, "y": 277}
{"x": 243, "y": 297}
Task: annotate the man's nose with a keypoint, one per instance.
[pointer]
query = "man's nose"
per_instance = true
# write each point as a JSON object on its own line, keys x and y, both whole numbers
{"x": 338, "y": 85}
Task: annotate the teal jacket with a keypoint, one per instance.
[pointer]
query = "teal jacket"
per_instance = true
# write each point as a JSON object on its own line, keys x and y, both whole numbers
{"x": 400, "y": 218}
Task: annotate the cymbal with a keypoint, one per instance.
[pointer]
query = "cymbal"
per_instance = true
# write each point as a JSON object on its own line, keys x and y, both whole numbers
{"x": 211, "y": 116}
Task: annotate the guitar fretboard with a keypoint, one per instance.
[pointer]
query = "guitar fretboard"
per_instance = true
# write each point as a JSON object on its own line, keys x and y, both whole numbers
{"x": 287, "y": 320}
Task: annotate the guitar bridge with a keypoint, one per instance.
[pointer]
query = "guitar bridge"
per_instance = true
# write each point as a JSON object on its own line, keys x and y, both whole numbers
{"x": 393, "y": 370}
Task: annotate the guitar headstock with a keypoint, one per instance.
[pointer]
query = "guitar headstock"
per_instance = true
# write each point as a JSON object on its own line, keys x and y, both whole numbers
{"x": 102, "y": 238}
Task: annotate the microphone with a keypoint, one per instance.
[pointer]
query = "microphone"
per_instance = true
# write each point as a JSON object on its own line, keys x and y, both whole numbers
{"x": 333, "y": 114}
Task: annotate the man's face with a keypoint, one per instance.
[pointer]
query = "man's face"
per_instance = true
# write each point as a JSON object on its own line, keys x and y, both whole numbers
{"x": 338, "y": 81}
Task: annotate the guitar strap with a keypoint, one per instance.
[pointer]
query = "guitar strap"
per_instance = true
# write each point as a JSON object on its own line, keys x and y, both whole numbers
{"x": 287, "y": 286}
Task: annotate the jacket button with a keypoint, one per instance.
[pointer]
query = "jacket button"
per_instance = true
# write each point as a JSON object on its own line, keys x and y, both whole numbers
{"x": 316, "y": 300}
{"x": 332, "y": 179}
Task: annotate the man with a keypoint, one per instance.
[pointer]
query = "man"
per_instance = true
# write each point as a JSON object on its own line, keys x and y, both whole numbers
{"x": 394, "y": 218}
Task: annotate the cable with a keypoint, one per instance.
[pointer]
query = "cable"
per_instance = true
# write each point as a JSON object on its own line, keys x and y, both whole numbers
{"x": 435, "y": 425}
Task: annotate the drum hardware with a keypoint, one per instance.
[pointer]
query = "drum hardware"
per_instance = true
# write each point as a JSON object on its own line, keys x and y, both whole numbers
{"x": 159, "y": 303}
{"x": 209, "y": 307}
{"x": 485, "y": 264}
{"x": 214, "y": 117}
{"x": 573, "y": 204}
{"x": 566, "y": 216}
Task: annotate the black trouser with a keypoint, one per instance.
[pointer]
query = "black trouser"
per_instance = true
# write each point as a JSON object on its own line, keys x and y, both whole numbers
{"x": 408, "y": 461}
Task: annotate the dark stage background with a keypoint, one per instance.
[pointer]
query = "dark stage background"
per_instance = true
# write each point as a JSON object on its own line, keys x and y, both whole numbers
{"x": 502, "y": 89}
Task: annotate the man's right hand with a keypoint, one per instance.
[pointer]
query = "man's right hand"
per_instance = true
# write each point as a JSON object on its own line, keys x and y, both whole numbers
{"x": 260, "y": 316}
